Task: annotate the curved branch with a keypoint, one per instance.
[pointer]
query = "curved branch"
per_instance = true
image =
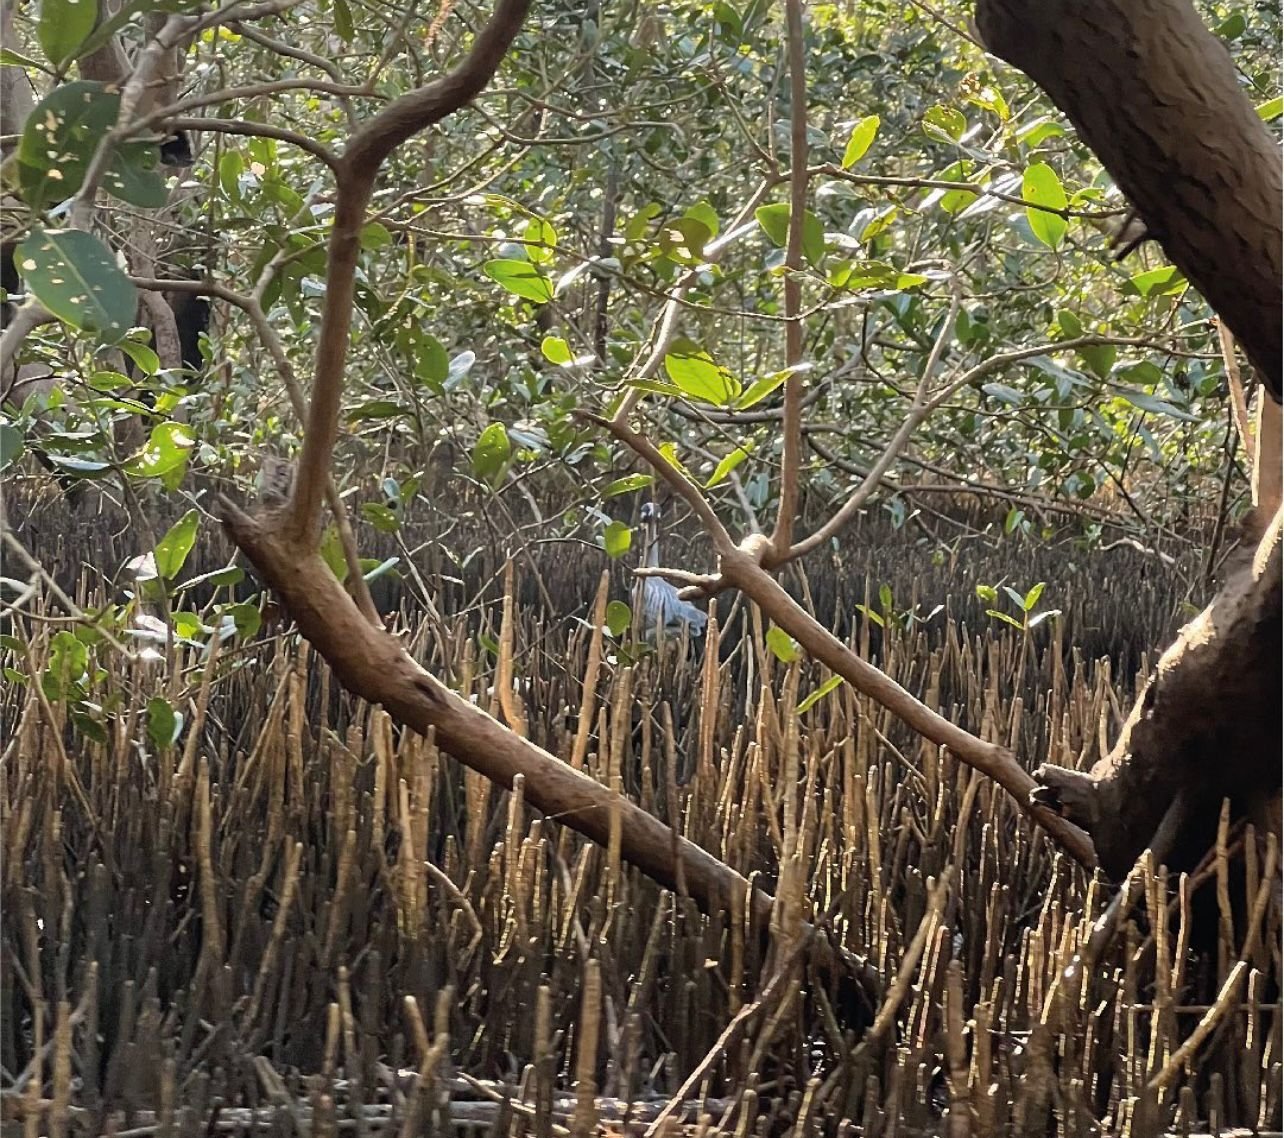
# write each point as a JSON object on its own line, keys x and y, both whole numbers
{"x": 356, "y": 175}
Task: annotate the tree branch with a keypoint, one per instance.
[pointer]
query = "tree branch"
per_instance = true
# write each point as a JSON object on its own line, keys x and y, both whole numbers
{"x": 791, "y": 454}
{"x": 356, "y": 175}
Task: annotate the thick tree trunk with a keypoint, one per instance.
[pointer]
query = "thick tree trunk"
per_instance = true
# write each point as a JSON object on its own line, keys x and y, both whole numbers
{"x": 1155, "y": 95}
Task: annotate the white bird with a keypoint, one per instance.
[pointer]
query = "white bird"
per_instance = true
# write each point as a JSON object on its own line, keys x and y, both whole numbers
{"x": 660, "y": 601}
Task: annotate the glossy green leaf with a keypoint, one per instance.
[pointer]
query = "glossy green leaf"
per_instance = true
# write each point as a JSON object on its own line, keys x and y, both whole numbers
{"x": 167, "y": 450}
{"x": 617, "y": 539}
{"x": 860, "y": 140}
{"x": 782, "y": 645}
{"x": 813, "y": 698}
{"x": 1270, "y": 110}
{"x": 1005, "y": 618}
{"x": 1041, "y": 187}
{"x": 694, "y": 372}
{"x": 618, "y": 618}
{"x": 727, "y": 465}
{"x": 556, "y": 350}
{"x": 539, "y": 240}
{"x": 491, "y": 454}
{"x": 1167, "y": 280}
{"x": 172, "y": 549}
{"x": 1032, "y": 597}
{"x": 945, "y": 123}
{"x": 76, "y": 278}
{"x": 146, "y": 360}
{"x": 627, "y": 484}
{"x": 521, "y": 278}
{"x": 164, "y": 724}
{"x": 761, "y": 388}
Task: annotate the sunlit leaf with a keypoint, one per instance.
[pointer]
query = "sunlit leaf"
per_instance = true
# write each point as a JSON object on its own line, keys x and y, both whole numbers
{"x": 782, "y": 645}
{"x": 617, "y": 538}
{"x": 831, "y": 684}
{"x": 172, "y": 549}
{"x": 727, "y": 465}
{"x": 618, "y": 618}
{"x": 860, "y": 140}
{"x": 1041, "y": 187}
{"x": 491, "y": 454}
{"x": 521, "y": 278}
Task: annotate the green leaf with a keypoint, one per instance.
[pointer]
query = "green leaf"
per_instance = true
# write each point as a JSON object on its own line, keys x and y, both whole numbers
{"x": 860, "y": 140}
{"x": 556, "y": 350}
{"x": 1015, "y": 597}
{"x": 870, "y": 614}
{"x": 727, "y": 465}
{"x": 627, "y": 483}
{"x": 618, "y": 618}
{"x": 164, "y": 724}
{"x": 166, "y": 450}
{"x": 343, "y": 24}
{"x": 1043, "y": 190}
{"x": 774, "y": 220}
{"x": 1070, "y": 325}
{"x": 1270, "y": 110}
{"x": 695, "y": 374}
{"x": 782, "y": 645}
{"x": 217, "y": 578}
{"x": 76, "y": 278}
{"x": 683, "y": 239}
{"x": 988, "y": 593}
{"x": 945, "y": 123}
{"x": 1164, "y": 281}
{"x": 173, "y": 548}
{"x": 146, "y": 360}
{"x": 761, "y": 388}
{"x": 704, "y": 213}
{"x": 1005, "y": 618}
{"x": 12, "y": 445}
{"x": 134, "y": 175}
{"x": 59, "y": 140}
{"x": 885, "y": 598}
{"x": 375, "y": 236}
{"x": 1158, "y": 406}
{"x": 491, "y": 454}
{"x": 521, "y": 278}
{"x": 331, "y": 550}
{"x": 1032, "y": 597}
{"x": 64, "y": 26}
{"x": 1100, "y": 358}
{"x": 617, "y": 538}
{"x": 432, "y": 364}
{"x": 247, "y": 619}
{"x": 815, "y": 697}
{"x": 381, "y": 517}
{"x": 540, "y": 240}
{"x": 1014, "y": 518}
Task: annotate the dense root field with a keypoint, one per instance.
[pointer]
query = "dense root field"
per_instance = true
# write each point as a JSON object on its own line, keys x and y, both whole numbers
{"x": 295, "y": 920}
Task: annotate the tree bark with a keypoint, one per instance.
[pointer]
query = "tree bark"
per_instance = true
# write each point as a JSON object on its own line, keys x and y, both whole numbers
{"x": 1155, "y": 95}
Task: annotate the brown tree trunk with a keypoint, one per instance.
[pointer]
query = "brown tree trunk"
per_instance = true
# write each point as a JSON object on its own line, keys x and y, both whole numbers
{"x": 1155, "y": 95}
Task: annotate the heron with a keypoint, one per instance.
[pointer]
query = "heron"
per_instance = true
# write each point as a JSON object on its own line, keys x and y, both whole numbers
{"x": 661, "y": 604}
